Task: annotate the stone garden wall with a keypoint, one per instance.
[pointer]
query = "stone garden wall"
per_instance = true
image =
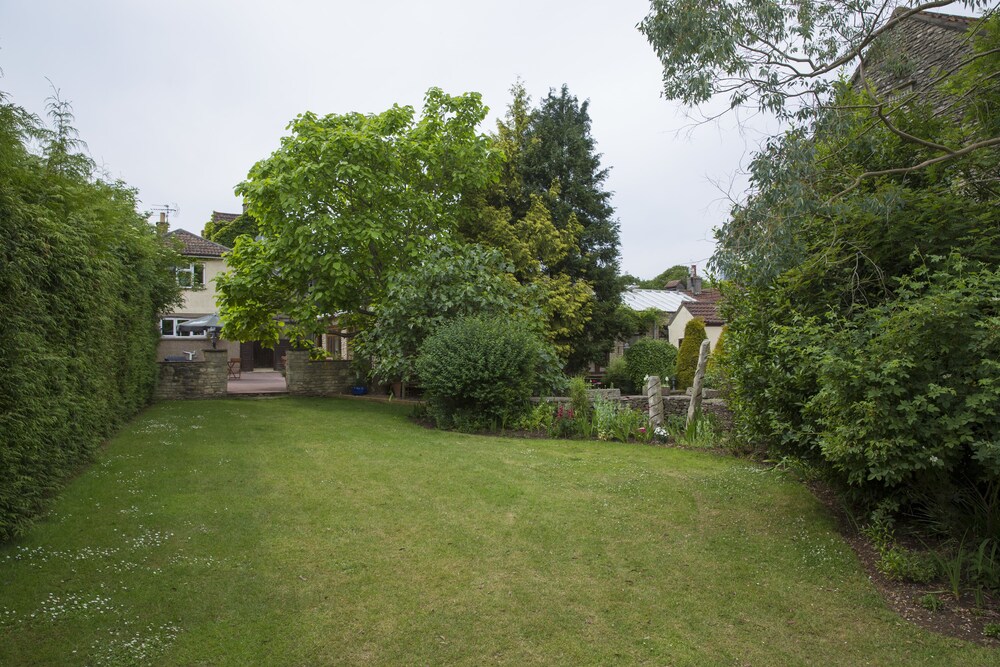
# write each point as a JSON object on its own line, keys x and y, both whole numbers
{"x": 677, "y": 405}
{"x": 193, "y": 379}
{"x": 673, "y": 405}
{"x": 316, "y": 378}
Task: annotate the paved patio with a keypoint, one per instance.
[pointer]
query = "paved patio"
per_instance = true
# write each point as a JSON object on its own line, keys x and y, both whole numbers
{"x": 258, "y": 382}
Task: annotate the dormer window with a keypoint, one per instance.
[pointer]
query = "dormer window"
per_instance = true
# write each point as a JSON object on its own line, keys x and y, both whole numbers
{"x": 191, "y": 276}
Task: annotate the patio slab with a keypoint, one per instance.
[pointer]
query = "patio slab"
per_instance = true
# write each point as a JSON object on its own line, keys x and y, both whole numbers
{"x": 258, "y": 382}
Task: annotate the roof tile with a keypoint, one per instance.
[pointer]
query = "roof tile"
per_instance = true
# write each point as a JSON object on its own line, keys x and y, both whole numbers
{"x": 193, "y": 245}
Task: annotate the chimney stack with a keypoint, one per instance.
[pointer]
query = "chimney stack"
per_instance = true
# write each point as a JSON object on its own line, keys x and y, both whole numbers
{"x": 694, "y": 282}
{"x": 162, "y": 226}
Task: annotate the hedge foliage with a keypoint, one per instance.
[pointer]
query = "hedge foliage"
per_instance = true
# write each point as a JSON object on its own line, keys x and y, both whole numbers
{"x": 82, "y": 278}
{"x": 479, "y": 373}
{"x": 863, "y": 319}
{"x": 687, "y": 356}
{"x": 648, "y": 356}
{"x": 453, "y": 281}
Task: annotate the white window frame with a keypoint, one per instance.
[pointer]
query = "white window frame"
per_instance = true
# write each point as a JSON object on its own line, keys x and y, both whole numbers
{"x": 194, "y": 271}
{"x": 173, "y": 327}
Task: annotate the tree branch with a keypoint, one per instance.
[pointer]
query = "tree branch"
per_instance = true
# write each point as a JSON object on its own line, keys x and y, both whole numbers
{"x": 986, "y": 143}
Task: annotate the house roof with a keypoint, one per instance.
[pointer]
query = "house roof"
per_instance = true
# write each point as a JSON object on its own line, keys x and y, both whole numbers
{"x": 219, "y": 216}
{"x": 193, "y": 245}
{"x": 708, "y": 311}
{"x": 665, "y": 301}
{"x": 911, "y": 56}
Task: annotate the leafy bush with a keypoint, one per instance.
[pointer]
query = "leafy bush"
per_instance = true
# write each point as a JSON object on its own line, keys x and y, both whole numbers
{"x": 703, "y": 431}
{"x": 648, "y": 356}
{"x": 908, "y": 405}
{"x": 451, "y": 282}
{"x": 617, "y": 376}
{"x": 715, "y": 374}
{"x": 565, "y": 422}
{"x": 478, "y": 373}
{"x": 930, "y": 602}
{"x": 613, "y": 421}
{"x": 578, "y": 397}
{"x": 849, "y": 344}
{"x": 687, "y": 356}
{"x": 538, "y": 419}
{"x": 82, "y": 280}
{"x": 902, "y": 564}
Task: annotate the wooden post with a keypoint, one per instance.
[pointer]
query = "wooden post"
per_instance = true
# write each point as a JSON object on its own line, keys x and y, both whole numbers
{"x": 654, "y": 396}
{"x": 699, "y": 379}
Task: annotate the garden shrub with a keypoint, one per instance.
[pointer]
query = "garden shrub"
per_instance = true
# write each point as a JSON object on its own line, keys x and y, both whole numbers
{"x": 617, "y": 376}
{"x": 613, "y": 421}
{"x": 578, "y": 397}
{"x": 908, "y": 402}
{"x": 715, "y": 374}
{"x": 538, "y": 419}
{"x": 479, "y": 373}
{"x": 83, "y": 277}
{"x": 902, "y": 564}
{"x": 703, "y": 431}
{"x": 687, "y": 356}
{"x": 451, "y": 282}
{"x": 648, "y": 356}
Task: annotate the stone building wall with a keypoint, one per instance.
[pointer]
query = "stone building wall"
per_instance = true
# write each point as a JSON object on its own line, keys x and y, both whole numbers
{"x": 316, "y": 378}
{"x": 193, "y": 379}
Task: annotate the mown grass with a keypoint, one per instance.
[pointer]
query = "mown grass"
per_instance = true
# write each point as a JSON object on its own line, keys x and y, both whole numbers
{"x": 313, "y": 532}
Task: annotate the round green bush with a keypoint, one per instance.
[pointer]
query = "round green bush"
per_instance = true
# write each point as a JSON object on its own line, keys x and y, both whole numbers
{"x": 687, "y": 357}
{"x": 478, "y": 373}
{"x": 647, "y": 356}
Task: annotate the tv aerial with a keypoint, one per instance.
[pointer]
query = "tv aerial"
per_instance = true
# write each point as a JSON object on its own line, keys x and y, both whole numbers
{"x": 167, "y": 209}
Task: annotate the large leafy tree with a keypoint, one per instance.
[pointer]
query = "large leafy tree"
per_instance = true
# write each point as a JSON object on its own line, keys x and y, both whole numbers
{"x": 344, "y": 203}
{"x": 226, "y": 232}
{"x": 453, "y": 281}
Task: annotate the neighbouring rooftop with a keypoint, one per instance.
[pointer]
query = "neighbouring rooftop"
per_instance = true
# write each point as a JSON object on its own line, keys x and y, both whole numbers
{"x": 193, "y": 245}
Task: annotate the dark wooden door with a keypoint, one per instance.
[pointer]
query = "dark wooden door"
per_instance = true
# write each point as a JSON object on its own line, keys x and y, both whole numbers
{"x": 246, "y": 357}
{"x": 263, "y": 357}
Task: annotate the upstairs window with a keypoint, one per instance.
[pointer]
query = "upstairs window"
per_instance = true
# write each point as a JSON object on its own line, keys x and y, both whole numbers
{"x": 191, "y": 276}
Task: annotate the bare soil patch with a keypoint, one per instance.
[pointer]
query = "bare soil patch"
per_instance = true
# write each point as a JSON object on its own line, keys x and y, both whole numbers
{"x": 964, "y": 618}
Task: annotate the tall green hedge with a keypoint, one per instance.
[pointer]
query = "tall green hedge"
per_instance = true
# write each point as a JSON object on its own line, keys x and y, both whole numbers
{"x": 687, "y": 356}
{"x": 648, "y": 356}
{"x": 82, "y": 278}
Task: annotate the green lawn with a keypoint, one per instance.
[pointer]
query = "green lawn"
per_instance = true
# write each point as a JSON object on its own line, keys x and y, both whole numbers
{"x": 314, "y": 532}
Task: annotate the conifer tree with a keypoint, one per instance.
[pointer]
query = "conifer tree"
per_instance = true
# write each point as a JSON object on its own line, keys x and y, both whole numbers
{"x": 560, "y": 163}
{"x": 687, "y": 357}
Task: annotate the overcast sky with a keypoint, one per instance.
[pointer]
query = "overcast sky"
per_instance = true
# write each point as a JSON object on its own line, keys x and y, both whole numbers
{"x": 180, "y": 98}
